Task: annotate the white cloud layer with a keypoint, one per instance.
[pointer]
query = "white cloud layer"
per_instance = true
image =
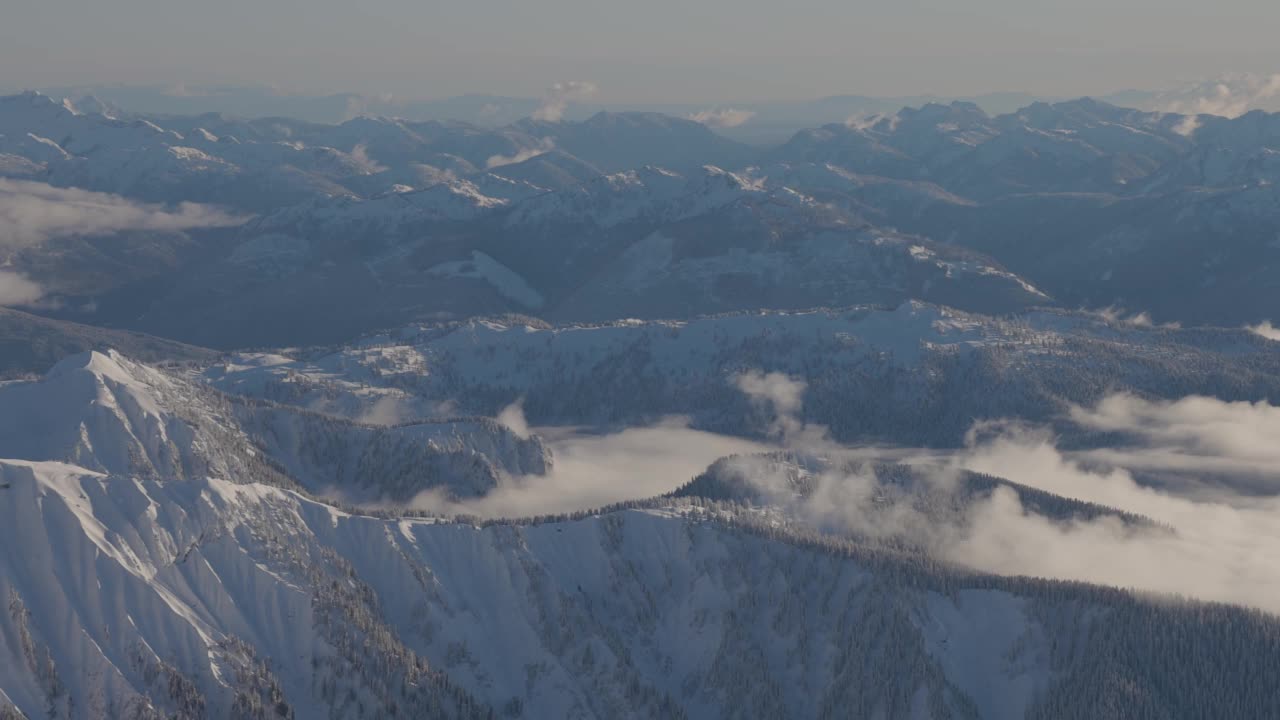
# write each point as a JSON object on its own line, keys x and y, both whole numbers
{"x": 591, "y": 471}
{"x": 33, "y": 212}
{"x": 1221, "y": 550}
{"x": 1209, "y": 543}
{"x": 1193, "y": 427}
{"x": 1212, "y": 545}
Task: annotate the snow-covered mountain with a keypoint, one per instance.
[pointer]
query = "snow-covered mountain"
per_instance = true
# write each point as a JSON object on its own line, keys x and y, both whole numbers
{"x": 318, "y": 524}
{"x": 652, "y": 243}
{"x": 31, "y": 344}
{"x": 1078, "y": 146}
{"x": 1095, "y": 205}
{"x": 918, "y": 374}
{"x": 369, "y": 464}
{"x": 616, "y": 141}
{"x": 111, "y": 415}
{"x": 1069, "y": 203}
{"x": 263, "y": 164}
{"x": 178, "y": 557}
{"x": 135, "y": 598}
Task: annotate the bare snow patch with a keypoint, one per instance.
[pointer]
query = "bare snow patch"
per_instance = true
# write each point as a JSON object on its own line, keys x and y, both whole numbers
{"x": 503, "y": 279}
{"x": 987, "y": 646}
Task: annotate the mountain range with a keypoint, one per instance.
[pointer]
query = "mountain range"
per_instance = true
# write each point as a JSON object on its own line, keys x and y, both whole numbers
{"x": 950, "y": 411}
{"x": 178, "y": 568}
{"x": 1076, "y": 204}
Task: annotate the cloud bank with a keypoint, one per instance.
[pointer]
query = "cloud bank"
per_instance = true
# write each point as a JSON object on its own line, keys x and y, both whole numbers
{"x": 513, "y": 417}
{"x": 33, "y": 212}
{"x": 360, "y": 156}
{"x": 723, "y": 117}
{"x": 1266, "y": 330}
{"x": 544, "y": 146}
{"x": 18, "y": 289}
{"x": 557, "y": 98}
{"x": 591, "y": 471}
{"x": 1194, "y": 433}
{"x": 1221, "y": 550}
{"x": 1228, "y": 96}
{"x": 1208, "y": 543}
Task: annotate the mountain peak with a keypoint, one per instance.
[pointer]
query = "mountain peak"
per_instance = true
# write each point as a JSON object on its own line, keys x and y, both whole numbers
{"x": 31, "y": 99}
{"x": 105, "y": 363}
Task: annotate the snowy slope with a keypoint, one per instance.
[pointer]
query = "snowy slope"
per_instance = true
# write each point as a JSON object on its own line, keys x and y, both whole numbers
{"x": 916, "y": 374}
{"x": 633, "y": 195}
{"x": 132, "y": 597}
{"x": 108, "y": 414}
{"x": 502, "y": 278}
{"x": 370, "y": 464}
{"x": 32, "y": 344}
{"x": 201, "y": 595}
{"x": 155, "y": 574}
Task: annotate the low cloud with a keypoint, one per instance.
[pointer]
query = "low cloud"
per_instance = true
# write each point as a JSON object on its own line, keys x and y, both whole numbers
{"x": 1194, "y": 433}
{"x": 386, "y": 411}
{"x": 17, "y": 289}
{"x": 544, "y": 146}
{"x": 356, "y": 106}
{"x": 1228, "y": 96}
{"x": 33, "y": 212}
{"x": 557, "y": 98}
{"x": 868, "y": 120}
{"x": 513, "y": 417}
{"x": 1222, "y": 550}
{"x": 782, "y": 392}
{"x": 723, "y": 117}
{"x": 783, "y": 396}
{"x": 1118, "y": 316}
{"x": 591, "y": 471}
{"x": 1208, "y": 543}
{"x": 1266, "y": 330}
{"x": 367, "y": 165}
{"x": 1188, "y": 126}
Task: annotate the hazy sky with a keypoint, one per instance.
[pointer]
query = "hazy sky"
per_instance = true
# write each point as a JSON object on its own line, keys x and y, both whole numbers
{"x": 655, "y": 50}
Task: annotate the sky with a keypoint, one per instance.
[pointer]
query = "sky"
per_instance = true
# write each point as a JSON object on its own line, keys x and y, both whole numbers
{"x": 652, "y": 51}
